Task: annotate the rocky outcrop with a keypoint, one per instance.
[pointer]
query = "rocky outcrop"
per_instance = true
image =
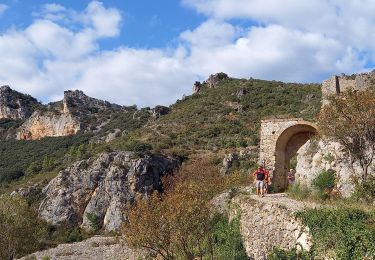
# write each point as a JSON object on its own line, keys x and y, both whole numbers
{"x": 318, "y": 155}
{"x": 271, "y": 222}
{"x": 214, "y": 79}
{"x": 245, "y": 154}
{"x": 103, "y": 187}
{"x": 76, "y": 102}
{"x": 43, "y": 124}
{"x": 14, "y": 105}
{"x": 197, "y": 87}
{"x": 159, "y": 111}
{"x": 95, "y": 248}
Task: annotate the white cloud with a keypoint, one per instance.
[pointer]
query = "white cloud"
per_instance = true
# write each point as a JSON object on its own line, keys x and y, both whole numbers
{"x": 291, "y": 40}
{"x": 3, "y": 8}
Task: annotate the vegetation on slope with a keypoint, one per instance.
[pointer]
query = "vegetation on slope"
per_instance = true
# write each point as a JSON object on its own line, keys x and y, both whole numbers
{"x": 216, "y": 118}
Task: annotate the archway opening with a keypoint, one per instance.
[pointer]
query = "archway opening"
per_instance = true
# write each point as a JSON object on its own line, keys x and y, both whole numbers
{"x": 287, "y": 145}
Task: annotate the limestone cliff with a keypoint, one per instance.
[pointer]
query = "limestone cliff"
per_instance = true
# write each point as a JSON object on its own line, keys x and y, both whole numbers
{"x": 42, "y": 124}
{"x": 14, "y": 105}
{"x": 104, "y": 186}
{"x": 318, "y": 155}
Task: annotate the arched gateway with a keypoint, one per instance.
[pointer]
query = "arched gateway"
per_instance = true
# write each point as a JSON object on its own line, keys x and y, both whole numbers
{"x": 280, "y": 140}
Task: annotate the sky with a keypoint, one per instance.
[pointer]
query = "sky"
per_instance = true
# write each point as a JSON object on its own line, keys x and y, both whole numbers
{"x": 149, "y": 52}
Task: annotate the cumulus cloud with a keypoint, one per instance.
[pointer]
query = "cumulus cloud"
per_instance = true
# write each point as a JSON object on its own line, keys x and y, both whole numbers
{"x": 291, "y": 40}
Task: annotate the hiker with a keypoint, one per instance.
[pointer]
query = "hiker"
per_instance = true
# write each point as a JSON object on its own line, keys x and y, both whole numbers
{"x": 267, "y": 181}
{"x": 260, "y": 175}
{"x": 291, "y": 177}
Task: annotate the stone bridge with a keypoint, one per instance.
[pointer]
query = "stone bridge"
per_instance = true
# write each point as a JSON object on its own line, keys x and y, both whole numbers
{"x": 280, "y": 139}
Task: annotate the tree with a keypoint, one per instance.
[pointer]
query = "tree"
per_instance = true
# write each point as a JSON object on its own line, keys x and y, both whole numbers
{"x": 349, "y": 119}
{"x": 178, "y": 223}
{"x": 20, "y": 230}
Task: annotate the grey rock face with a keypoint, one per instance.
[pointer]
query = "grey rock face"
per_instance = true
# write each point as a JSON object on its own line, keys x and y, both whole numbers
{"x": 14, "y": 105}
{"x": 321, "y": 155}
{"x": 213, "y": 80}
{"x": 104, "y": 186}
{"x": 197, "y": 87}
{"x": 228, "y": 161}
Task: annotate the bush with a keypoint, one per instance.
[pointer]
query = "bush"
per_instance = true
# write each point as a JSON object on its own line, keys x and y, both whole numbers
{"x": 227, "y": 239}
{"x": 324, "y": 182}
{"x": 20, "y": 230}
{"x": 341, "y": 233}
{"x": 299, "y": 191}
{"x": 365, "y": 191}
{"x": 94, "y": 220}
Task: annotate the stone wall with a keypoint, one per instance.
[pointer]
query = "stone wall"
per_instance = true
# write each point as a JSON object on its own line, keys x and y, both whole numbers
{"x": 270, "y": 222}
{"x": 337, "y": 84}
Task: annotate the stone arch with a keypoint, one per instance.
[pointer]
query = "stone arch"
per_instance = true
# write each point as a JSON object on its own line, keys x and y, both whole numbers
{"x": 280, "y": 141}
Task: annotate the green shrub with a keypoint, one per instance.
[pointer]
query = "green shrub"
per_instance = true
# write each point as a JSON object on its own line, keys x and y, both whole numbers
{"x": 75, "y": 235}
{"x": 299, "y": 191}
{"x": 324, "y": 180}
{"x": 365, "y": 191}
{"x": 227, "y": 239}
{"x": 341, "y": 233}
{"x": 20, "y": 230}
{"x": 323, "y": 183}
{"x": 94, "y": 220}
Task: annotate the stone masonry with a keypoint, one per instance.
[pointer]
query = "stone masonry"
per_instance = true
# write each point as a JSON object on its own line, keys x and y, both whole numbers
{"x": 337, "y": 84}
{"x": 270, "y": 222}
{"x": 280, "y": 139}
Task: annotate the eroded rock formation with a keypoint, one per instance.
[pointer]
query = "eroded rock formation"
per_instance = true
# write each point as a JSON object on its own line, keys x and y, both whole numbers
{"x": 104, "y": 187}
{"x": 42, "y": 124}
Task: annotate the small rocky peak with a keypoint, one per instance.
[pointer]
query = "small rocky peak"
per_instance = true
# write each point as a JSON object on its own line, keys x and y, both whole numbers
{"x": 214, "y": 79}
{"x": 197, "y": 87}
{"x": 77, "y": 101}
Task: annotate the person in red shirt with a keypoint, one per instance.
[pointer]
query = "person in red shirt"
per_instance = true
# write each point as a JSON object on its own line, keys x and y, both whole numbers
{"x": 260, "y": 176}
{"x": 267, "y": 181}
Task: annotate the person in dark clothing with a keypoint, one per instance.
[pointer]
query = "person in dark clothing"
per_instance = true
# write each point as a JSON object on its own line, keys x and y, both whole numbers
{"x": 260, "y": 175}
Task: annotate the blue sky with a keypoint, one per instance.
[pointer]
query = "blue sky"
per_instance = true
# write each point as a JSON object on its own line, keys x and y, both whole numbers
{"x": 146, "y": 23}
{"x": 150, "y": 52}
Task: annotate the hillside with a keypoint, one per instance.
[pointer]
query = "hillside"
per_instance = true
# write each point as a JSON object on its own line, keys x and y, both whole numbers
{"x": 228, "y": 116}
{"x": 220, "y": 118}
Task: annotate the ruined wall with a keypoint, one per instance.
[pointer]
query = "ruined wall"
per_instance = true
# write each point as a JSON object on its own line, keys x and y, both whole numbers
{"x": 270, "y": 222}
{"x": 337, "y": 84}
